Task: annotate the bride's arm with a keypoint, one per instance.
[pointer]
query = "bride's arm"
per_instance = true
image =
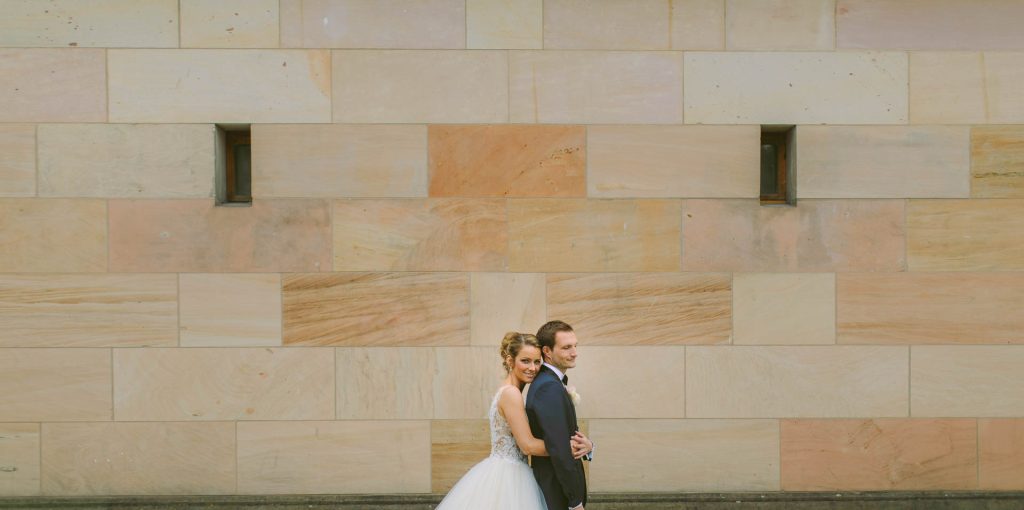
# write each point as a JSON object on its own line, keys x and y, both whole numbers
{"x": 514, "y": 409}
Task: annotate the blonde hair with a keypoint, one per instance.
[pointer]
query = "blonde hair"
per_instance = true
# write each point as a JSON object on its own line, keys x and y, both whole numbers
{"x": 512, "y": 344}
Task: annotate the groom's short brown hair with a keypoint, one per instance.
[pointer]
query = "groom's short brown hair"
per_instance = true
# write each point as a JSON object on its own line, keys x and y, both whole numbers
{"x": 546, "y": 333}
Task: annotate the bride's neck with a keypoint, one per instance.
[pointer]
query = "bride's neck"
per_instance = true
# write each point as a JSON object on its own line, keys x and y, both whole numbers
{"x": 511, "y": 380}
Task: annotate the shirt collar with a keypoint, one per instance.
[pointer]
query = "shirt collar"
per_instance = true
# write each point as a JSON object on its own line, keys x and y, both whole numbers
{"x": 555, "y": 370}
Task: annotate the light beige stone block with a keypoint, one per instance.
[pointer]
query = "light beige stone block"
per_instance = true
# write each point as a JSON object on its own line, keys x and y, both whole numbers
{"x": 879, "y": 455}
{"x": 420, "y": 235}
{"x": 376, "y": 309}
{"x": 223, "y": 384}
{"x": 784, "y": 309}
{"x": 643, "y": 309}
{"x": 19, "y": 467}
{"x": 396, "y": 24}
{"x": 929, "y": 24}
{"x": 53, "y": 85}
{"x": 780, "y": 25}
{"x": 607, "y": 25}
{"x": 795, "y": 88}
{"x": 328, "y": 160}
{"x": 55, "y": 385}
{"x": 673, "y": 161}
{"x": 1001, "y": 454}
{"x": 334, "y": 457}
{"x": 197, "y": 236}
{"x": 817, "y": 235}
{"x": 931, "y": 308}
{"x": 81, "y": 224}
{"x": 224, "y": 86}
{"x": 500, "y": 24}
{"x": 229, "y": 24}
{"x": 811, "y": 381}
{"x": 89, "y": 23}
{"x": 503, "y": 302}
{"x": 967, "y": 381}
{"x": 103, "y": 310}
{"x": 593, "y": 235}
{"x": 947, "y": 88}
{"x": 17, "y": 160}
{"x": 126, "y": 160}
{"x": 685, "y": 455}
{"x": 455, "y": 447}
{"x": 997, "y": 162}
{"x": 883, "y": 162}
{"x": 1003, "y": 74}
{"x": 965, "y": 235}
{"x": 594, "y": 87}
{"x": 230, "y": 310}
{"x": 697, "y": 24}
{"x": 657, "y": 372}
{"x": 404, "y": 86}
{"x": 100, "y": 459}
{"x": 466, "y": 380}
{"x": 385, "y": 383}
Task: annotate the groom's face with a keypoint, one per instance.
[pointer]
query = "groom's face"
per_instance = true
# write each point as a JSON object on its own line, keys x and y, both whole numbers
{"x": 563, "y": 355}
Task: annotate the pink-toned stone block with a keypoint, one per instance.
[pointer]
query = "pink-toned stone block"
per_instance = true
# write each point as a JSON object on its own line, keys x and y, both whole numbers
{"x": 879, "y": 454}
{"x": 930, "y": 308}
{"x": 1001, "y": 452}
{"x": 376, "y": 309}
{"x": 53, "y": 235}
{"x": 816, "y": 236}
{"x": 644, "y": 309}
{"x": 197, "y": 236}
{"x": 507, "y": 161}
{"x": 929, "y": 24}
{"x": 448, "y": 234}
{"x": 53, "y": 85}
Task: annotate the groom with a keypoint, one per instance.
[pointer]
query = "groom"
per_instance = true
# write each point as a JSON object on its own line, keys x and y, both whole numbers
{"x": 552, "y": 418}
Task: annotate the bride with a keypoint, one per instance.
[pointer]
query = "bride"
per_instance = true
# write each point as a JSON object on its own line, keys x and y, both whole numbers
{"x": 504, "y": 480}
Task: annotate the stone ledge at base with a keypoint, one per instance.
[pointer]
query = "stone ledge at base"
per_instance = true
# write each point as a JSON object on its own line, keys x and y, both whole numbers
{"x": 948, "y": 500}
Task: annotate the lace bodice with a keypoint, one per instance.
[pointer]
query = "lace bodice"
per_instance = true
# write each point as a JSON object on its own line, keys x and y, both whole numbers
{"x": 503, "y": 445}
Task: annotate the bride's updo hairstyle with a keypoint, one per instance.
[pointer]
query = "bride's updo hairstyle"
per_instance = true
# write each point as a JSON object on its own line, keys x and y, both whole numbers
{"x": 512, "y": 344}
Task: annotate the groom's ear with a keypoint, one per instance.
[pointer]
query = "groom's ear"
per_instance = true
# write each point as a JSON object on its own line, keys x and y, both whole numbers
{"x": 545, "y": 353}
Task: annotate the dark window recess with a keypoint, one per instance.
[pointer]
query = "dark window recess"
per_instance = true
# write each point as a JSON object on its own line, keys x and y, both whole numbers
{"x": 234, "y": 165}
{"x": 776, "y": 186}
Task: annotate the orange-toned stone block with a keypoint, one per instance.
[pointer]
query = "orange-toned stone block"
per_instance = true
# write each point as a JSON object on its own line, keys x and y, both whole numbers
{"x": 607, "y": 25}
{"x": 593, "y": 235}
{"x": 930, "y": 308}
{"x": 507, "y": 161}
{"x": 456, "y": 446}
{"x": 53, "y": 85}
{"x": 53, "y": 235}
{"x": 19, "y": 469}
{"x": 880, "y": 454}
{"x": 997, "y": 161}
{"x": 817, "y": 235}
{"x": 101, "y": 310}
{"x": 376, "y": 309}
{"x": 198, "y": 236}
{"x": 644, "y": 309}
{"x": 929, "y": 24}
{"x": 446, "y": 234}
{"x": 17, "y": 160}
{"x": 101, "y": 459}
{"x": 1001, "y": 452}
{"x": 55, "y": 385}
{"x": 965, "y": 235}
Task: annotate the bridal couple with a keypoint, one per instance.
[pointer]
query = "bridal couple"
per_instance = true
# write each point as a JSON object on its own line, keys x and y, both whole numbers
{"x": 543, "y": 426}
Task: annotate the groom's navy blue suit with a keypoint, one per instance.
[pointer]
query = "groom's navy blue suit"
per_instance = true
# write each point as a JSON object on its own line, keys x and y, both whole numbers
{"x": 553, "y": 419}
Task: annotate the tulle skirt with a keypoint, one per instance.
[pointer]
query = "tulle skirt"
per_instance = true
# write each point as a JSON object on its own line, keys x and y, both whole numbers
{"x": 498, "y": 484}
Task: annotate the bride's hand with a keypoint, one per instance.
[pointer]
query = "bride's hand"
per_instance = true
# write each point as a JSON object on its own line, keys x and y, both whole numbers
{"x": 581, "y": 446}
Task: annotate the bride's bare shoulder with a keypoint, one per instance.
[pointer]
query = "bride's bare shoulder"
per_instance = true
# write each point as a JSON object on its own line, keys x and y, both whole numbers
{"x": 511, "y": 393}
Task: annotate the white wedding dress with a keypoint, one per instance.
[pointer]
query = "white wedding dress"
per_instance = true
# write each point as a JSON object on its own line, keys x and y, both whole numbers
{"x": 502, "y": 481}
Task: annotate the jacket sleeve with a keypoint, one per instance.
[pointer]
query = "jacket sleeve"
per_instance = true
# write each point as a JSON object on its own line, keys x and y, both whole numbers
{"x": 552, "y": 419}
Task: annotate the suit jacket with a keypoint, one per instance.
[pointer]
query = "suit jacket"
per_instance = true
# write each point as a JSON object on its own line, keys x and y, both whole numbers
{"x": 553, "y": 419}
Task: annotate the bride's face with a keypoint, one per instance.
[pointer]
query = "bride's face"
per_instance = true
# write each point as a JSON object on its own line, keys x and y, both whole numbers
{"x": 526, "y": 364}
